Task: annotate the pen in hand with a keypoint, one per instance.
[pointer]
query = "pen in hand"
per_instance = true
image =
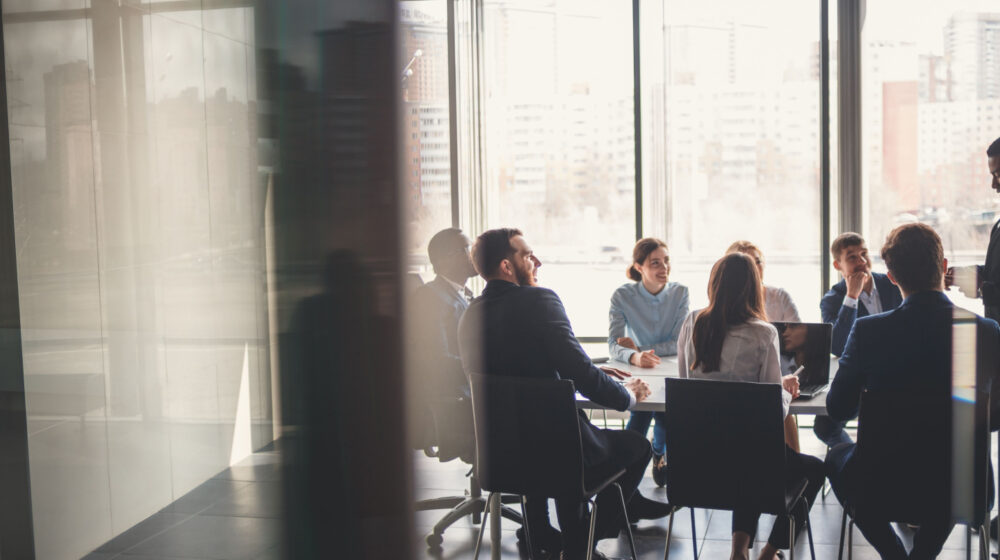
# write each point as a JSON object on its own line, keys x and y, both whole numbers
{"x": 791, "y": 382}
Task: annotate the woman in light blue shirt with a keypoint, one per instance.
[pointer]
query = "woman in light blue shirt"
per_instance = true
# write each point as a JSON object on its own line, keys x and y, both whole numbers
{"x": 644, "y": 322}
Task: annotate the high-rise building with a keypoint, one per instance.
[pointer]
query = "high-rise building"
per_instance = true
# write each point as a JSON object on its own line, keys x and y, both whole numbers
{"x": 972, "y": 45}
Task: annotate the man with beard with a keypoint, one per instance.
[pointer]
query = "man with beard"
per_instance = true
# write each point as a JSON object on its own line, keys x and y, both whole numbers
{"x": 518, "y": 329}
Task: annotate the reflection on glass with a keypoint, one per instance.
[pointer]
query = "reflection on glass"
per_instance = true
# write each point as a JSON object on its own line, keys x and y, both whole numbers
{"x": 138, "y": 223}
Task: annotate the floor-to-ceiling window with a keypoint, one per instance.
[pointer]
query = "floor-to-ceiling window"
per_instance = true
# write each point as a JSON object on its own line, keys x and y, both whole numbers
{"x": 731, "y": 137}
{"x": 559, "y": 141}
{"x": 931, "y": 107}
{"x": 425, "y": 130}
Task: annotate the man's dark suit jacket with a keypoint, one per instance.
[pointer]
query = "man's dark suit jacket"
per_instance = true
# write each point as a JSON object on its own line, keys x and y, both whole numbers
{"x": 843, "y": 317}
{"x": 990, "y": 273}
{"x": 438, "y": 308}
{"x": 523, "y": 331}
{"x": 906, "y": 349}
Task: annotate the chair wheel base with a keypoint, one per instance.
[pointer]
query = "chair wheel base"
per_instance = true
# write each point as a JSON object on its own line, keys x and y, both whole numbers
{"x": 434, "y": 541}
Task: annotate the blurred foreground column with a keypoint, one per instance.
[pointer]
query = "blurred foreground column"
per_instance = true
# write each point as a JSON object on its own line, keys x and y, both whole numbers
{"x": 328, "y": 83}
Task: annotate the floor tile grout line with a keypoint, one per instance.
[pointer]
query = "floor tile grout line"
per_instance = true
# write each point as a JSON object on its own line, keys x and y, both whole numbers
{"x": 187, "y": 517}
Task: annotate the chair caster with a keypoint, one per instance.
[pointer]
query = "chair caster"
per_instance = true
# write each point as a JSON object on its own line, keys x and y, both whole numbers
{"x": 434, "y": 541}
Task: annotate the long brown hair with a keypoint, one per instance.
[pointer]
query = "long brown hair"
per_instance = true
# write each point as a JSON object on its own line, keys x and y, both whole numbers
{"x": 735, "y": 295}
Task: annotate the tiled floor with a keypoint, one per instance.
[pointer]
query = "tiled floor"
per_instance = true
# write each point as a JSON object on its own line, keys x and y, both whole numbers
{"x": 235, "y": 515}
{"x": 713, "y": 527}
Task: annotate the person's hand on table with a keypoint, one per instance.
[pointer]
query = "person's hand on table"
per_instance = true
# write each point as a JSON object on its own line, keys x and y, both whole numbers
{"x": 627, "y": 342}
{"x": 791, "y": 384}
{"x": 645, "y": 359}
{"x": 856, "y": 282}
{"x": 615, "y": 372}
{"x": 639, "y": 388}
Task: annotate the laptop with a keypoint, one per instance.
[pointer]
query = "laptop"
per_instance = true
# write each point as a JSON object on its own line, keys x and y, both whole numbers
{"x": 806, "y": 346}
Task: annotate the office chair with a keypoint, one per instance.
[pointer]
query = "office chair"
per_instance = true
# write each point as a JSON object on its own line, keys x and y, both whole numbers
{"x": 907, "y": 445}
{"x": 515, "y": 419}
{"x": 452, "y": 438}
{"x": 711, "y": 423}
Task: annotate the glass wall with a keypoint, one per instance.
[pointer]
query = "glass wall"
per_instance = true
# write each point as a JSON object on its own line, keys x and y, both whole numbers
{"x": 139, "y": 229}
{"x": 931, "y": 98}
{"x": 558, "y": 127}
{"x": 731, "y": 138}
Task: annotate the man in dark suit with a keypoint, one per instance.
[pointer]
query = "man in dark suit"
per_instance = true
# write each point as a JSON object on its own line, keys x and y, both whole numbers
{"x": 987, "y": 276}
{"x": 907, "y": 349}
{"x": 860, "y": 293}
{"x": 518, "y": 329}
{"x": 439, "y": 304}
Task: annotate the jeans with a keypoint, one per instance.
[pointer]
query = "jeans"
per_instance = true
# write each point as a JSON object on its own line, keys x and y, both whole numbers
{"x": 639, "y": 422}
{"x": 831, "y": 432}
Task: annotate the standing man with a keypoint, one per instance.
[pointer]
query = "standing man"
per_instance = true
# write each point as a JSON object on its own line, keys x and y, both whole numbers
{"x": 518, "y": 329}
{"x": 989, "y": 274}
{"x": 907, "y": 350}
{"x": 860, "y": 293}
{"x": 987, "y": 277}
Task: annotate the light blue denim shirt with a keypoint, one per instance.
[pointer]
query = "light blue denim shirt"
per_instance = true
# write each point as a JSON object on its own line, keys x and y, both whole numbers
{"x": 653, "y": 322}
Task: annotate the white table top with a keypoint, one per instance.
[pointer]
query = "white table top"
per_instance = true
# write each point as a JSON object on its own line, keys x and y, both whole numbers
{"x": 668, "y": 368}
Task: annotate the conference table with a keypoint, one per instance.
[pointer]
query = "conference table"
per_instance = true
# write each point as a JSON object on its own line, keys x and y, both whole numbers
{"x": 668, "y": 368}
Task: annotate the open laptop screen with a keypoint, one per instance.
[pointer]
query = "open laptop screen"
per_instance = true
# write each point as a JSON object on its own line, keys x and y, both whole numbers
{"x": 806, "y": 344}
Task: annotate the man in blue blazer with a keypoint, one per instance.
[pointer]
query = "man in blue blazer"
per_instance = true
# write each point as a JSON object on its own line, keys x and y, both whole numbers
{"x": 860, "y": 293}
{"x": 518, "y": 329}
{"x": 907, "y": 349}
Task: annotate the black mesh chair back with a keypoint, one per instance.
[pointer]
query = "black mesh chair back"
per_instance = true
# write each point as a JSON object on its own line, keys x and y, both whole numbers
{"x": 904, "y": 456}
{"x": 725, "y": 444}
{"x": 527, "y": 436}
